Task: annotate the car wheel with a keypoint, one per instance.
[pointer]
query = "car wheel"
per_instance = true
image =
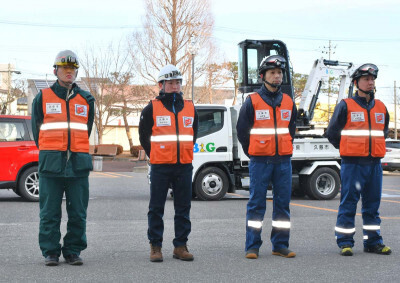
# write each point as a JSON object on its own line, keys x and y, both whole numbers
{"x": 323, "y": 184}
{"x": 28, "y": 184}
{"x": 211, "y": 184}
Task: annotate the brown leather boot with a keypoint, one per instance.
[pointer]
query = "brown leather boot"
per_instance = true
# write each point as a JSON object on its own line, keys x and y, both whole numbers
{"x": 182, "y": 253}
{"x": 155, "y": 254}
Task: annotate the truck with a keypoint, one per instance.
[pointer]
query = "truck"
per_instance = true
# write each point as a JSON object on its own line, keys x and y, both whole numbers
{"x": 220, "y": 165}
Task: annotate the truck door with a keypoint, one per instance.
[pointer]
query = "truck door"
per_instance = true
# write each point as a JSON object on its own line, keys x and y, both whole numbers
{"x": 214, "y": 137}
{"x": 213, "y": 149}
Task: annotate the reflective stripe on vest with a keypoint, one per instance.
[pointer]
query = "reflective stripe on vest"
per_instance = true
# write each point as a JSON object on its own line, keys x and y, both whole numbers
{"x": 363, "y": 134}
{"x": 360, "y": 133}
{"x": 59, "y": 128}
{"x": 261, "y": 131}
{"x": 63, "y": 125}
{"x": 266, "y": 132}
{"x": 171, "y": 138}
{"x": 166, "y": 136}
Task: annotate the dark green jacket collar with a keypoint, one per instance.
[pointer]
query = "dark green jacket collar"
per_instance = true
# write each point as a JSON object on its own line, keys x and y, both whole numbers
{"x": 62, "y": 92}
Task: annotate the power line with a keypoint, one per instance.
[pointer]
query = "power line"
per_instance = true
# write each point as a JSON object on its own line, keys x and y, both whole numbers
{"x": 221, "y": 28}
{"x": 68, "y": 26}
{"x": 247, "y": 31}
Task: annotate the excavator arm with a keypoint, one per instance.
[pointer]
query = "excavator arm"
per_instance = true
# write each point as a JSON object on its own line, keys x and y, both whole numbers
{"x": 322, "y": 69}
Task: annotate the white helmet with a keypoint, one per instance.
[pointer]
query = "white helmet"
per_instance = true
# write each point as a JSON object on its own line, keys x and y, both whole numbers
{"x": 169, "y": 72}
{"x": 66, "y": 57}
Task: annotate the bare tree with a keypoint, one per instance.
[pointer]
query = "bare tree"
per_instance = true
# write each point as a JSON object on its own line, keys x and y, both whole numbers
{"x": 233, "y": 74}
{"x": 214, "y": 76}
{"x": 107, "y": 72}
{"x": 299, "y": 83}
{"x": 134, "y": 98}
{"x": 167, "y": 30}
{"x": 15, "y": 89}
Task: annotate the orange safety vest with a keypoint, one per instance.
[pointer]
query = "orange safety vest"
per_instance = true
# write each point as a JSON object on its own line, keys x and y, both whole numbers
{"x": 61, "y": 126}
{"x": 270, "y": 131}
{"x": 170, "y": 131}
{"x": 363, "y": 133}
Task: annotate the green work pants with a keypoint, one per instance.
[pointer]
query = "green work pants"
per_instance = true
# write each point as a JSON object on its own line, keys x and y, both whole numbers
{"x": 51, "y": 191}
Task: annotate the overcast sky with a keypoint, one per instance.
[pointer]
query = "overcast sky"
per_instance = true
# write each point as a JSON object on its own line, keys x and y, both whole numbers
{"x": 32, "y": 32}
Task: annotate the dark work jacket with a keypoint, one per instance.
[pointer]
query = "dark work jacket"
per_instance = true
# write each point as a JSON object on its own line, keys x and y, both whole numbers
{"x": 174, "y": 103}
{"x": 246, "y": 120}
{"x": 339, "y": 120}
{"x": 53, "y": 163}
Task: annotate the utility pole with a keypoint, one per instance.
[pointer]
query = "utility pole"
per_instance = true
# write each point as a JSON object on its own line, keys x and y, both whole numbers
{"x": 329, "y": 52}
{"x": 8, "y": 89}
{"x": 395, "y": 112}
{"x": 192, "y": 50}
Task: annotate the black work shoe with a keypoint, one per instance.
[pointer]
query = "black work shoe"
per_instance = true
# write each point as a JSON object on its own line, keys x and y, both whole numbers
{"x": 73, "y": 259}
{"x": 285, "y": 252}
{"x": 51, "y": 260}
{"x": 252, "y": 254}
{"x": 346, "y": 251}
{"x": 380, "y": 249}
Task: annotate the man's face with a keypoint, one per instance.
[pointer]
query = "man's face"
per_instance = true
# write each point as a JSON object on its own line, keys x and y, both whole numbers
{"x": 274, "y": 76}
{"x": 66, "y": 74}
{"x": 172, "y": 86}
{"x": 366, "y": 83}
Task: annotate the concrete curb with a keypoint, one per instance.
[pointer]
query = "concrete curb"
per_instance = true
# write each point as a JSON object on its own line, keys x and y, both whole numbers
{"x": 140, "y": 169}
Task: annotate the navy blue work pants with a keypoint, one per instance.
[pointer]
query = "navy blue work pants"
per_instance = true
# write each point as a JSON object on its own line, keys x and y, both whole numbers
{"x": 363, "y": 180}
{"x": 180, "y": 177}
{"x": 261, "y": 174}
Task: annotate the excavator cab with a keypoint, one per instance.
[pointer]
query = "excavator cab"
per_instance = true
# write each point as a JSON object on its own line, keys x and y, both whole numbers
{"x": 251, "y": 53}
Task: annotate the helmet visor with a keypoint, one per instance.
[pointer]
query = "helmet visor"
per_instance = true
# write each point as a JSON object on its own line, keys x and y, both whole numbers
{"x": 277, "y": 61}
{"x": 68, "y": 60}
{"x": 272, "y": 62}
{"x": 369, "y": 69}
{"x": 173, "y": 75}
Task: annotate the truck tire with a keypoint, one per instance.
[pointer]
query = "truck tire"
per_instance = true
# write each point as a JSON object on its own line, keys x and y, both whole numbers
{"x": 300, "y": 190}
{"x": 323, "y": 184}
{"x": 28, "y": 184}
{"x": 211, "y": 184}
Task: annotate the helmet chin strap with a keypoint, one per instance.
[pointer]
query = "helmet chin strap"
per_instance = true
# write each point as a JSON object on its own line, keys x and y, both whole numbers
{"x": 370, "y": 93}
{"x": 278, "y": 87}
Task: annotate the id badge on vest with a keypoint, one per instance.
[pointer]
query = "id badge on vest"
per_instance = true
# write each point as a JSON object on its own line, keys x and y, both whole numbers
{"x": 163, "y": 121}
{"x": 262, "y": 115}
{"x": 357, "y": 117}
{"x": 53, "y": 108}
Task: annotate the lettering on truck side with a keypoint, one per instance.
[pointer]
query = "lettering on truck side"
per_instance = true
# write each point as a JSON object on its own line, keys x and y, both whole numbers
{"x": 209, "y": 147}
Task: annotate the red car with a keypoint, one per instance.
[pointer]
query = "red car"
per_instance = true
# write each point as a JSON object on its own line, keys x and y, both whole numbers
{"x": 19, "y": 157}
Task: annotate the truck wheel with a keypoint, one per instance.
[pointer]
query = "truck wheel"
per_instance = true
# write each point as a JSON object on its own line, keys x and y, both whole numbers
{"x": 28, "y": 184}
{"x": 211, "y": 184}
{"x": 299, "y": 191}
{"x": 323, "y": 184}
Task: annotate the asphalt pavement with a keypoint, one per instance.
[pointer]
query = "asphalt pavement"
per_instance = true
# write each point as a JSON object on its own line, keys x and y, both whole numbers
{"x": 118, "y": 249}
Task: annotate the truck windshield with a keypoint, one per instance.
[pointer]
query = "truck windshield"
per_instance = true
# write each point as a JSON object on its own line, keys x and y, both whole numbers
{"x": 251, "y": 53}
